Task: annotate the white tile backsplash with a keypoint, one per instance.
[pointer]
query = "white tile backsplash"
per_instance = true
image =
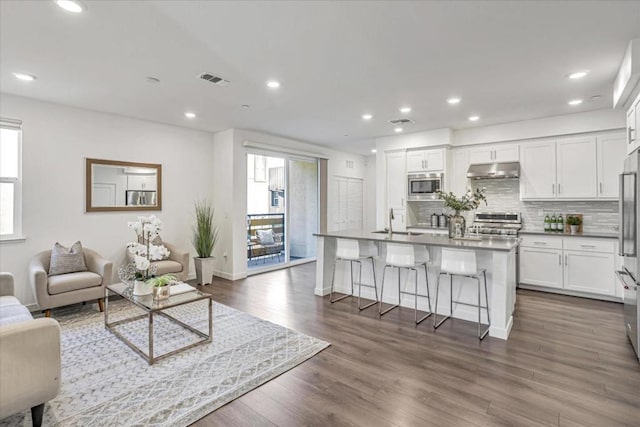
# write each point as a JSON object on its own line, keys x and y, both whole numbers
{"x": 504, "y": 195}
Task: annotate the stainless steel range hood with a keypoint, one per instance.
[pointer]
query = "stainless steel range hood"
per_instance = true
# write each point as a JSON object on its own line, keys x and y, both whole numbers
{"x": 494, "y": 170}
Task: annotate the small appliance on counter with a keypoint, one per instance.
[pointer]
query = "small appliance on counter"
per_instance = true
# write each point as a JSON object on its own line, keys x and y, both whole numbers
{"x": 141, "y": 198}
{"x": 629, "y": 242}
{"x": 443, "y": 220}
{"x": 434, "y": 220}
{"x": 503, "y": 224}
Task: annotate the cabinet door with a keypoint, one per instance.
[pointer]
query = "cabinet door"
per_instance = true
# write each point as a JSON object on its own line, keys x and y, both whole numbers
{"x": 538, "y": 171}
{"x": 611, "y": 154}
{"x": 481, "y": 155}
{"x": 632, "y": 133}
{"x": 141, "y": 182}
{"x": 396, "y": 180}
{"x": 506, "y": 153}
{"x": 542, "y": 267}
{"x": 458, "y": 175}
{"x": 354, "y": 204}
{"x": 577, "y": 168}
{"x": 399, "y": 223}
{"x": 434, "y": 160}
{"x": 416, "y": 161}
{"x": 589, "y": 272}
{"x": 339, "y": 211}
{"x": 636, "y": 121}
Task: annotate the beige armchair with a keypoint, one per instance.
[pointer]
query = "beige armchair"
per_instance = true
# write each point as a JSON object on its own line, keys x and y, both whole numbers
{"x": 70, "y": 288}
{"x": 177, "y": 264}
{"x": 29, "y": 357}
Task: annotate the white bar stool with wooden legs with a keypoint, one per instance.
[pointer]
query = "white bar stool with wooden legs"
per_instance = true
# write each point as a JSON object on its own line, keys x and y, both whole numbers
{"x": 460, "y": 262}
{"x": 403, "y": 256}
{"x": 355, "y": 251}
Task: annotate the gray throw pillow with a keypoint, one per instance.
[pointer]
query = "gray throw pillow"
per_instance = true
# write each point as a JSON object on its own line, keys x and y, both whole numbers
{"x": 67, "y": 260}
{"x": 155, "y": 241}
{"x": 265, "y": 237}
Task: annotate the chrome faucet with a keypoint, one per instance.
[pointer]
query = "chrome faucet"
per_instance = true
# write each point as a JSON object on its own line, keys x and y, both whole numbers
{"x": 391, "y": 218}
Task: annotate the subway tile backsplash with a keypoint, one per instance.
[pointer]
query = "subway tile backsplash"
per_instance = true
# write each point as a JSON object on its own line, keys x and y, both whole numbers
{"x": 504, "y": 195}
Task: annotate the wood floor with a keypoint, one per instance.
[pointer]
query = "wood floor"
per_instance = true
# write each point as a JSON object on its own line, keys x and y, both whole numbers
{"x": 567, "y": 363}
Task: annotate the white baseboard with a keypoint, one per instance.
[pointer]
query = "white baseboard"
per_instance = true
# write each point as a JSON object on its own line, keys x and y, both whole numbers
{"x": 570, "y": 293}
{"x": 228, "y": 276}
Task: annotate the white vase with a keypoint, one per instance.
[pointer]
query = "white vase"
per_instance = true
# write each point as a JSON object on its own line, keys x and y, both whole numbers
{"x": 204, "y": 270}
{"x": 141, "y": 288}
{"x": 574, "y": 229}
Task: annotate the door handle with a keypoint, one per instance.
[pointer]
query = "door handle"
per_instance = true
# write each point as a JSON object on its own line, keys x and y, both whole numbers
{"x": 553, "y": 189}
{"x": 629, "y": 130}
{"x": 566, "y": 260}
{"x": 558, "y": 188}
{"x": 600, "y": 188}
{"x": 559, "y": 259}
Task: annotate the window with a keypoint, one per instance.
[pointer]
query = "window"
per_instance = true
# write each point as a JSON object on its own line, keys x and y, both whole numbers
{"x": 10, "y": 179}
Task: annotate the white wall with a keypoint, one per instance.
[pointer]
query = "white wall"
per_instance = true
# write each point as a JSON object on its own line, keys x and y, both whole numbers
{"x": 56, "y": 140}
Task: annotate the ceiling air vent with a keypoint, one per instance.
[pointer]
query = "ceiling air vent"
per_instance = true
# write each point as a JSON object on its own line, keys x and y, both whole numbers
{"x": 400, "y": 121}
{"x": 214, "y": 79}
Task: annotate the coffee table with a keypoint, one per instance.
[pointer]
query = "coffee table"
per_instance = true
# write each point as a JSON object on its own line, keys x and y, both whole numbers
{"x": 154, "y": 307}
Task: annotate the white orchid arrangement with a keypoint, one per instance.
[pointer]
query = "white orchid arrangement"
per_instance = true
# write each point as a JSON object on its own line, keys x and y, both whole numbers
{"x": 144, "y": 251}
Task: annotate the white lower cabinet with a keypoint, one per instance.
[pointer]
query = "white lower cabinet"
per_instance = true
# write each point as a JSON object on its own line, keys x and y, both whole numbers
{"x": 575, "y": 264}
{"x": 542, "y": 267}
{"x": 399, "y": 221}
{"x": 589, "y": 272}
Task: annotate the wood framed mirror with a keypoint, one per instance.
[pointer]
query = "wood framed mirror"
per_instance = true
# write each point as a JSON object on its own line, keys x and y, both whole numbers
{"x": 113, "y": 185}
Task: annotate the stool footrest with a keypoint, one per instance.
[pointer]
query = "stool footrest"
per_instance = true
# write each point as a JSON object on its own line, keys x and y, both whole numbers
{"x": 389, "y": 309}
{"x": 340, "y": 299}
{"x": 364, "y": 285}
{"x": 412, "y": 293}
{"x": 437, "y": 325}
{"x": 468, "y": 304}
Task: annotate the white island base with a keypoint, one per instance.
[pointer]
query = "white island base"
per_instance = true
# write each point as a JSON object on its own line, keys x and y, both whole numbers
{"x": 497, "y": 258}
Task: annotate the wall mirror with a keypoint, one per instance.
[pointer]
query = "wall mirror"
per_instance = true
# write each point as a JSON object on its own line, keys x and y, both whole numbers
{"x": 122, "y": 186}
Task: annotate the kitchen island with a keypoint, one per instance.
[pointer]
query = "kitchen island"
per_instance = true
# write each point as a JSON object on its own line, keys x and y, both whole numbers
{"x": 495, "y": 254}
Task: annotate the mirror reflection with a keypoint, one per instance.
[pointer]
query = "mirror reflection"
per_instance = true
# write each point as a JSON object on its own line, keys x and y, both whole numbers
{"x": 114, "y": 186}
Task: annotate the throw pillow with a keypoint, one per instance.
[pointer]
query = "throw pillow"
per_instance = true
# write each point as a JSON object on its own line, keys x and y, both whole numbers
{"x": 265, "y": 237}
{"x": 67, "y": 260}
{"x": 158, "y": 242}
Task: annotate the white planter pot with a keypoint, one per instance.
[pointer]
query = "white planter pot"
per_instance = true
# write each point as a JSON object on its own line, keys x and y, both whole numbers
{"x": 574, "y": 229}
{"x": 140, "y": 288}
{"x": 204, "y": 270}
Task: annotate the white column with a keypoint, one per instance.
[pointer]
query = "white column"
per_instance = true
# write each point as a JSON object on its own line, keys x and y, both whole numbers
{"x": 503, "y": 286}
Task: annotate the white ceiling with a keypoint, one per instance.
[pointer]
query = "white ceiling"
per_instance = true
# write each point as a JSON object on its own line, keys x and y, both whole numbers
{"x": 335, "y": 60}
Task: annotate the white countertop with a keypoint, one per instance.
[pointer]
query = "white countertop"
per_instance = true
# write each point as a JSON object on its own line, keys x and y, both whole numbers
{"x": 484, "y": 243}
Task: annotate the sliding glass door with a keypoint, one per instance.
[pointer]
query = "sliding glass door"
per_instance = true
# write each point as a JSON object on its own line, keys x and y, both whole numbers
{"x": 282, "y": 210}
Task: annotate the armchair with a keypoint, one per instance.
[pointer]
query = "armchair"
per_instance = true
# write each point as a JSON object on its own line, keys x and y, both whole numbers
{"x": 70, "y": 288}
{"x": 177, "y": 264}
{"x": 29, "y": 357}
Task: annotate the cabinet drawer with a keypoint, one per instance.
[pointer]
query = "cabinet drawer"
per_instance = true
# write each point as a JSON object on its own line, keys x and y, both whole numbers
{"x": 585, "y": 244}
{"x": 538, "y": 241}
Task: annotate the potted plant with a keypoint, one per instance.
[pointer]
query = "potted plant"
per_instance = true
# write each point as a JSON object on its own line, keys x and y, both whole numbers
{"x": 205, "y": 234}
{"x": 160, "y": 286}
{"x": 574, "y": 223}
{"x": 470, "y": 200}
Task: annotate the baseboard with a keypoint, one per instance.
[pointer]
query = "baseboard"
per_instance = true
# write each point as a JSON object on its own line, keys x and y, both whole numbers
{"x": 570, "y": 293}
{"x": 228, "y": 276}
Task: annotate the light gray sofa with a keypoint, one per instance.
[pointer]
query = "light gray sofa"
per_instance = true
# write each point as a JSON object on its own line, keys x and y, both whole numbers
{"x": 177, "y": 264}
{"x": 70, "y": 288}
{"x": 29, "y": 356}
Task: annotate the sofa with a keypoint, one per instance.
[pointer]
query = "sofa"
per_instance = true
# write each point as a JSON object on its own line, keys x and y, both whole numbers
{"x": 70, "y": 288}
{"x": 29, "y": 356}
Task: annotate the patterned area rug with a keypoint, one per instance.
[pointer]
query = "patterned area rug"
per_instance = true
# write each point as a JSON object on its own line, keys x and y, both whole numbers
{"x": 105, "y": 383}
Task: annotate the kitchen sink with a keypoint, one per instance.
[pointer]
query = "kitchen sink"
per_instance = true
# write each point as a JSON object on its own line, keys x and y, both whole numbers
{"x": 404, "y": 233}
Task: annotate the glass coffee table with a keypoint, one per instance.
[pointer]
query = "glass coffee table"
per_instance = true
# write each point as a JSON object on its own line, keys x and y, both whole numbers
{"x": 151, "y": 308}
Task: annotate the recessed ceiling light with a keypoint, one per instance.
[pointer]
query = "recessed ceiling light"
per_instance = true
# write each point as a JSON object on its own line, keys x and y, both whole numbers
{"x": 575, "y": 102}
{"x": 367, "y": 116}
{"x": 474, "y": 118}
{"x": 190, "y": 115}
{"x": 25, "y": 77}
{"x": 373, "y": 150}
{"x": 405, "y": 110}
{"x": 73, "y": 6}
{"x": 398, "y": 130}
{"x": 578, "y": 75}
{"x": 454, "y": 100}
{"x": 273, "y": 84}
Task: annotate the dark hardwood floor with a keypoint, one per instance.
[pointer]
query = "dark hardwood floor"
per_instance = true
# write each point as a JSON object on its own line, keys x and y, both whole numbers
{"x": 567, "y": 363}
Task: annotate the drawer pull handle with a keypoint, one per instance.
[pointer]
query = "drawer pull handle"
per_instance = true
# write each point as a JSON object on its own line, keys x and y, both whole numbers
{"x": 588, "y": 246}
{"x": 540, "y": 243}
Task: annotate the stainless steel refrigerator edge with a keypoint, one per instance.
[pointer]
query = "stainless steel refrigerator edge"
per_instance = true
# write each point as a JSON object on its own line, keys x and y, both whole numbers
{"x": 629, "y": 242}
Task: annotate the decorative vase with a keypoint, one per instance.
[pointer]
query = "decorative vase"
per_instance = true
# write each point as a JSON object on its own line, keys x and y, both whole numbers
{"x": 574, "y": 229}
{"x": 161, "y": 292}
{"x": 204, "y": 270}
{"x": 140, "y": 288}
{"x": 457, "y": 226}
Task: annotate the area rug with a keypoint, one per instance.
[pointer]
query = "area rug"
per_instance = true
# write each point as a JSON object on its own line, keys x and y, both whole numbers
{"x": 105, "y": 383}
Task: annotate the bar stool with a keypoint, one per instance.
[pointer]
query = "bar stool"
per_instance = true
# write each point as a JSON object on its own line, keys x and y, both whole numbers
{"x": 403, "y": 256}
{"x": 460, "y": 262}
{"x": 355, "y": 251}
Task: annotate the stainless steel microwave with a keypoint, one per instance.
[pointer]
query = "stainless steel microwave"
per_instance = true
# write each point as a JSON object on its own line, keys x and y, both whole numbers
{"x": 424, "y": 186}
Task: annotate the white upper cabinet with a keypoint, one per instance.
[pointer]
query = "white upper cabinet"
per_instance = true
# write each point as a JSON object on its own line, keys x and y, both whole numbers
{"x": 494, "y": 153}
{"x": 538, "y": 170}
{"x": 633, "y": 120}
{"x": 576, "y": 168}
{"x": 396, "y": 180}
{"x": 141, "y": 182}
{"x": 425, "y": 160}
{"x": 458, "y": 182}
{"x": 611, "y": 155}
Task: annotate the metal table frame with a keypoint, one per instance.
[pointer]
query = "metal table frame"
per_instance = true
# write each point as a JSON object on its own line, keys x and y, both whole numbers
{"x": 150, "y": 358}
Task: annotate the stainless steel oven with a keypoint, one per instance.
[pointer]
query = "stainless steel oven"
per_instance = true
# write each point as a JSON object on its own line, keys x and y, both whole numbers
{"x": 424, "y": 186}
